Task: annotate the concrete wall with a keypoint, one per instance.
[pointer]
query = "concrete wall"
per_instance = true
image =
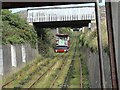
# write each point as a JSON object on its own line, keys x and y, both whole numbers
{"x": 1, "y": 65}
{"x": 92, "y": 60}
{"x": 15, "y": 56}
{"x": 19, "y": 55}
{"x": 7, "y": 65}
{"x": 1, "y": 60}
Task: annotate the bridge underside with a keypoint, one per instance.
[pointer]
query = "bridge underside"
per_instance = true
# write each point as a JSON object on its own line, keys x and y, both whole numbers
{"x": 6, "y": 4}
{"x": 72, "y": 24}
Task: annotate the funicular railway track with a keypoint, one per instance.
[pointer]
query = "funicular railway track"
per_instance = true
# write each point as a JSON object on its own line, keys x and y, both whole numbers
{"x": 61, "y": 69}
{"x": 67, "y": 78}
{"x": 45, "y": 73}
{"x": 56, "y": 77}
{"x": 59, "y": 73}
{"x": 41, "y": 76}
{"x": 9, "y": 82}
{"x": 67, "y": 82}
{"x": 14, "y": 79}
{"x": 6, "y": 84}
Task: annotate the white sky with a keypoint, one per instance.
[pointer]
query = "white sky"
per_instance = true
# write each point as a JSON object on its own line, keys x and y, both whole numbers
{"x": 72, "y": 5}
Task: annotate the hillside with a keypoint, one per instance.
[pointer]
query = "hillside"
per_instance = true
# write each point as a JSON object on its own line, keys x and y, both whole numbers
{"x": 23, "y": 14}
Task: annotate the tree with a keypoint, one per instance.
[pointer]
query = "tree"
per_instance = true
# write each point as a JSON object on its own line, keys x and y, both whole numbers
{"x": 16, "y": 30}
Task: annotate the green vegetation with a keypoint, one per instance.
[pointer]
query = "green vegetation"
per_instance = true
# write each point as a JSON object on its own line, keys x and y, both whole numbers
{"x": 85, "y": 79}
{"x": 89, "y": 38}
{"x": 65, "y": 31}
{"x": 45, "y": 42}
{"x": 16, "y": 30}
{"x": 75, "y": 78}
{"x": 29, "y": 73}
{"x": 47, "y": 79}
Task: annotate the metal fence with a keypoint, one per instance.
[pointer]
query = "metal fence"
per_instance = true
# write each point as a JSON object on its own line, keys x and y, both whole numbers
{"x": 15, "y": 56}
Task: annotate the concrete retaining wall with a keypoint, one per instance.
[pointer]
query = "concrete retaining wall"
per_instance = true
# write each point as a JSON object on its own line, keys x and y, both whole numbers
{"x": 7, "y": 64}
{"x": 1, "y": 60}
{"x": 13, "y": 57}
{"x": 92, "y": 60}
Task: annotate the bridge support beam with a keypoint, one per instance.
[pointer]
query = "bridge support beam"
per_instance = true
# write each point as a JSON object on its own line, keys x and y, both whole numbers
{"x": 57, "y": 30}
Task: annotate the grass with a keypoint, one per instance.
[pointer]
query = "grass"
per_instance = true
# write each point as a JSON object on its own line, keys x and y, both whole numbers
{"x": 89, "y": 38}
{"x": 60, "y": 80}
{"x": 23, "y": 70}
{"x": 46, "y": 81}
{"x": 75, "y": 78}
{"x": 84, "y": 72}
{"x": 24, "y": 77}
{"x": 25, "y": 74}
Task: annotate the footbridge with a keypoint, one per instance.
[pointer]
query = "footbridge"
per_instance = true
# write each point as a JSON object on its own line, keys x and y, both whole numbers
{"x": 61, "y": 16}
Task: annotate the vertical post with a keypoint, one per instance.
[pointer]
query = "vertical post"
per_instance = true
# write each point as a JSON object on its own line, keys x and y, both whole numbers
{"x": 99, "y": 37}
{"x": 57, "y": 30}
{"x": 111, "y": 45}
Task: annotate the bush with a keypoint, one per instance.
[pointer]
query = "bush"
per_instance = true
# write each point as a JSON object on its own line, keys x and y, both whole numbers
{"x": 89, "y": 39}
{"x": 16, "y": 30}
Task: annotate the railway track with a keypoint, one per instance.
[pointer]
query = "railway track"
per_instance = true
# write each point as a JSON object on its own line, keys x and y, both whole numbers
{"x": 6, "y": 85}
{"x": 45, "y": 73}
{"x": 70, "y": 71}
{"x": 60, "y": 72}
{"x": 67, "y": 78}
{"x": 41, "y": 76}
{"x": 9, "y": 82}
{"x": 57, "y": 76}
{"x": 3, "y": 86}
{"x": 80, "y": 70}
{"x": 81, "y": 86}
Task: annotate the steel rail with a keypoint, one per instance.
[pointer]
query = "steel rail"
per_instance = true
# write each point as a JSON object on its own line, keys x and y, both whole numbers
{"x": 81, "y": 85}
{"x": 67, "y": 78}
{"x": 57, "y": 76}
{"x": 41, "y": 76}
{"x": 9, "y": 82}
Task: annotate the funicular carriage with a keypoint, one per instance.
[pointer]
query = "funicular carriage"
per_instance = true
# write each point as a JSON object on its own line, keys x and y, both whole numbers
{"x": 62, "y": 43}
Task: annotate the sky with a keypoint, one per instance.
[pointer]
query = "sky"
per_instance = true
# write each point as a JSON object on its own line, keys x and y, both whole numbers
{"x": 72, "y": 5}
